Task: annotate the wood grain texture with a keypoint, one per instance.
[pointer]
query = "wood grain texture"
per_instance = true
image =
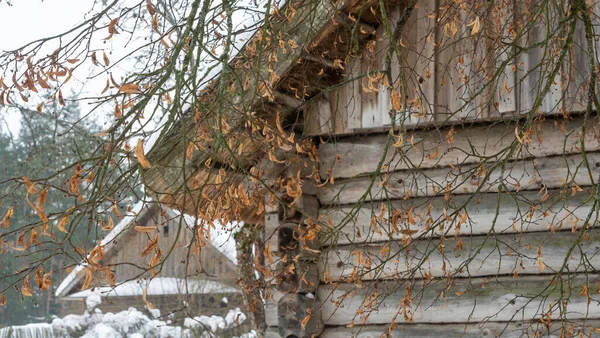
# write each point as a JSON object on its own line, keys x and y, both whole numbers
{"x": 464, "y": 256}
{"x": 360, "y": 155}
{"x": 423, "y": 217}
{"x": 465, "y": 301}
{"x": 522, "y": 175}
{"x": 515, "y": 329}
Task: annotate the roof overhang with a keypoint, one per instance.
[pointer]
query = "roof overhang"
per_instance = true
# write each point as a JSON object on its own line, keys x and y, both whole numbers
{"x": 212, "y": 150}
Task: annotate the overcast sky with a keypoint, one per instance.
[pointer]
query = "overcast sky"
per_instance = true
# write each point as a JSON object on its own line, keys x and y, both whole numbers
{"x": 28, "y": 20}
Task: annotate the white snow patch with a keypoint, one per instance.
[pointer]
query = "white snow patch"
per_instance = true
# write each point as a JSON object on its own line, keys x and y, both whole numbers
{"x": 157, "y": 287}
{"x": 221, "y": 236}
{"x": 92, "y": 301}
{"x": 155, "y": 313}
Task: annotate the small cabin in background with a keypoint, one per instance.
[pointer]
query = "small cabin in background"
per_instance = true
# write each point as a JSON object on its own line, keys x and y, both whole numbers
{"x": 186, "y": 284}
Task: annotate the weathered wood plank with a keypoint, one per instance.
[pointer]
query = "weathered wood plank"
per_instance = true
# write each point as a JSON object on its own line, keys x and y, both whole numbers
{"x": 465, "y": 301}
{"x": 338, "y": 103}
{"x": 417, "y": 77}
{"x": 422, "y": 217}
{"x": 362, "y": 155}
{"x": 271, "y": 314}
{"x": 353, "y": 95}
{"x": 577, "y": 72}
{"x": 538, "y": 62}
{"x": 531, "y": 253}
{"x": 515, "y": 329}
{"x": 505, "y": 90}
{"x": 531, "y": 174}
{"x": 370, "y": 89}
{"x": 457, "y": 73}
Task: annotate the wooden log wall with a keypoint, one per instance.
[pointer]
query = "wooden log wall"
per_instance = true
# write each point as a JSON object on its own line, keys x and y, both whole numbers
{"x": 465, "y": 230}
{"x": 443, "y": 72}
{"x": 446, "y": 228}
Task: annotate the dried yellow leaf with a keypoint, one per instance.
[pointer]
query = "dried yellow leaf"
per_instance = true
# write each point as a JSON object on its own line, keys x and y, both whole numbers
{"x": 139, "y": 153}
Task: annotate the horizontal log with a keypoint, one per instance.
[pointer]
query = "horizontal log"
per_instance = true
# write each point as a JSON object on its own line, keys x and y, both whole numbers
{"x": 490, "y": 329}
{"x": 464, "y": 301}
{"x": 271, "y": 314}
{"x": 531, "y": 253}
{"x": 362, "y": 155}
{"x": 530, "y": 174}
{"x": 425, "y": 217}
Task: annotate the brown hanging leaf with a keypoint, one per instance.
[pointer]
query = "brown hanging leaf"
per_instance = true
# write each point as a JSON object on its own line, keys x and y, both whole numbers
{"x": 61, "y": 101}
{"x": 396, "y": 100}
{"x": 112, "y": 26}
{"x": 40, "y": 107}
{"x": 139, "y": 153}
{"x": 155, "y": 261}
{"x": 6, "y": 220}
{"x": 16, "y": 83}
{"x": 46, "y": 281}
{"x": 118, "y": 113}
{"x": 110, "y": 226}
{"x": 140, "y": 228}
{"x": 144, "y": 296}
{"x": 88, "y": 279}
{"x": 41, "y": 200}
{"x": 2, "y": 299}
{"x": 106, "y": 59}
{"x": 72, "y": 61}
{"x": 150, "y": 8}
{"x": 26, "y": 289}
{"x": 130, "y": 88}
{"x": 148, "y": 249}
{"x": 39, "y": 281}
{"x": 62, "y": 223}
{"x": 475, "y": 26}
{"x": 31, "y": 189}
{"x": 106, "y": 87}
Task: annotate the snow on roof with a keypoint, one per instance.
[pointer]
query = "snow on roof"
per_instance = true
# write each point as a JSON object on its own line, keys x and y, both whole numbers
{"x": 129, "y": 217}
{"x": 221, "y": 237}
{"x": 157, "y": 287}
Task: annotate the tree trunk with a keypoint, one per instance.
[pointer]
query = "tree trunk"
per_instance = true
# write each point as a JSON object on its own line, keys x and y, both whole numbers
{"x": 251, "y": 280}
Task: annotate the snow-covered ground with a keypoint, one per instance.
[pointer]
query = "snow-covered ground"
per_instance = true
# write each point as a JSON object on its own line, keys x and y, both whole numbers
{"x": 131, "y": 323}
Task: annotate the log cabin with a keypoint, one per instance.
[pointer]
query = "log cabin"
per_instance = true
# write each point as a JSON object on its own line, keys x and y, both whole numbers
{"x": 423, "y": 168}
{"x": 184, "y": 285}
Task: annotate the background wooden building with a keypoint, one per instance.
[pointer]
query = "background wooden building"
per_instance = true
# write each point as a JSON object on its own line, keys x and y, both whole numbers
{"x": 186, "y": 284}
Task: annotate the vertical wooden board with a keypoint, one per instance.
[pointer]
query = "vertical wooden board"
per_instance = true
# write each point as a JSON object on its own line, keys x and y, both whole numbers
{"x": 338, "y": 104}
{"x": 537, "y": 63}
{"x": 384, "y": 100}
{"x": 353, "y": 95}
{"x": 312, "y": 121}
{"x": 501, "y": 21}
{"x": 327, "y": 124}
{"x": 577, "y": 72}
{"x": 456, "y": 70}
{"x": 415, "y": 77}
{"x": 369, "y": 86}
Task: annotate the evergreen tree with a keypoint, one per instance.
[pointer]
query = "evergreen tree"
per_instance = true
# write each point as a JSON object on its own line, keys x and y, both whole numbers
{"x": 47, "y": 144}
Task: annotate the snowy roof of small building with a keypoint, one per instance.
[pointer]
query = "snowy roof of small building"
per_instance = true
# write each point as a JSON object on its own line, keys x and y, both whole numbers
{"x": 221, "y": 239}
{"x": 157, "y": 287}
{"x": 74, "y": 276}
